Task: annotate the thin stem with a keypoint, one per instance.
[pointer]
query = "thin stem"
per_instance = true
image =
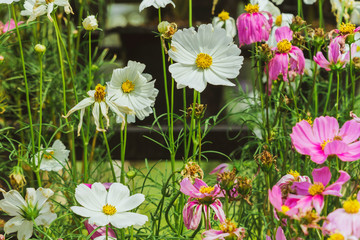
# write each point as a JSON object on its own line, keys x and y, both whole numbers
{"x": 328, "y": 93}
{"x": 337, "y": 93}
{"x": 123, "y": 136}
{"x": 300, "y": 12}
{"x": 295, "y": 101}
{"x": 321, "y": 17}
{"x": 40, "y": 116}
{"x": 90, "y": 64}
{"x": 199, "y": 139}
{"x": 108, "y": 151}
{"x": 25, "y": 80}
{"x": 190, "y": 13}
{"x": 352, "y": 81}
{"x": 191, "y": 126}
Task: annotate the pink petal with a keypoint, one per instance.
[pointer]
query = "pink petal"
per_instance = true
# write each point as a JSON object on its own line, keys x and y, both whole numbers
{"x": 187, "y": 188}
{"x": 100, "y": 232}
{"x": 280, "y": 235}
{"x": 223, "y": 167}
{"x": 334, "y": 52}
{"x": 322, "y": 61}
{"x": 350, "y": 131}
{"x": 219, "y": 212}
{"x": 318, "y": 202}
{"x": 275, "y": 197}
{"x": 322, "y": 175}
{"x": 325, "y": 128}
{"x": 198, "y": 183}
{"x": 303, "y": 139}
{"x": 353, "y": 154}
{"x": 302, "y": 188}
{"x": 283, "y": 33}
{"x": 334, "y": 189}
{"x": 336, "y": 148}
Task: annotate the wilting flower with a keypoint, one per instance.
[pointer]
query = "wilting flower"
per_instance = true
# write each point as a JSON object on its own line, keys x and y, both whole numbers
{"x": 8, "y": 1}
{"x": 253, "y": 26}
{"x": 113, "y": 206}
{"x": 132, "y": 88}
{"x": 223, "y": 20}
{"x": 228, "y": 230}
{"x": 201, "y": 198}
{"x": 17, "y": 178}
{"x": 280, "y": 20}
{"x": 280, "y": 235}
{"x": 205, "y": 56}
{"x": 36, "y": 8}
{"x": 155, "y": 3}
{"x": 345, "y": 220}
{"x": 337, "y": 59}
{"x": 102, "y": 102}
{"x": 324, "y": 138}
{"x": 90, "y": 23}
{"x": 192, "y": 170}
{"x": 54, "y": 158}
{"x": 312, "y": 194}
{"x": 35, "y": 207}
{"x": 285, "y": 55}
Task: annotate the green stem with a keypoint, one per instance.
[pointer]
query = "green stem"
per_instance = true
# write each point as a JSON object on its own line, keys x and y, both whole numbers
{"x": 295, "y": 101}
{"x": 321, "y": 17}
{"x": 199, "y": 139}
{"x": 259, "y": 77}
{"x": 300, "y": 12}
{"x": 190, "y": 13}
{"x": 25, "y": 80}
{"x": 40, "y": 117}
{"x": 337, "y": 93}
{"x": 352, "y": 81}
{"x": 191, "y": 126}
{"x": 328, "y": 93}
{"x": 108, "y": 150}
{"x": 123, "y": 136}
{"x": 90, "y": 64}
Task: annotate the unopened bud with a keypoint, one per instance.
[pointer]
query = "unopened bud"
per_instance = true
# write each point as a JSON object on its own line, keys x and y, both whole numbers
{"x": 130, "y": 174}
{"x": 39, "y": 48}
{"x": 162, "y": 27}
{"x": 90, "y": 23}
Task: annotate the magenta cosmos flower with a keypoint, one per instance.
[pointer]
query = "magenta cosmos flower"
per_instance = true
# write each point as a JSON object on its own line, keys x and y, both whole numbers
{"x": 287, "y": 180}
{"x": 202, "y": 199}
{"x": 311, "y": 195}
{"x": 324, "y": 138}
{"x": 228, "y": 230}
{"x": 337, "y": 59}
{"x": 286, "y": 56}
{"x": 275, "y": 197}
{"x": 346, "y": 30}
{"x": 253, "y": 26}
{"x": 280, "y": 235}
{"x": 346, "y": 220}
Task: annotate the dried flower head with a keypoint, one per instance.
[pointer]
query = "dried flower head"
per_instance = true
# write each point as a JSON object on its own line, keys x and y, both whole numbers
{"x": 199, "y": 110}
{"x": 298, "y": 40}
{"x": 298, "y": 21}
{"x": 227, "y": 180}
{"x": 192, "y": 170}
{"x": 266, "y": 159}
{"x": 17, "y": 178}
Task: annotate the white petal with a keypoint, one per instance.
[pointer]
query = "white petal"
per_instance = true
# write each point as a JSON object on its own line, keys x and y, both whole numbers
{"x": 99, "y": 219}
{"x": 26, "y": 230}
{"x": 189, "y": 76}
{"x": 13, "y": 225}
{"x": 84, "y": 212}
{"x": 130, "y": 202}
{"x": 81, "y": 105}
{"x": 45, "y": 219}
{"x": 117, "y": 193}
{"x": 123, "y": 220}
{"x": 87, "y": 198}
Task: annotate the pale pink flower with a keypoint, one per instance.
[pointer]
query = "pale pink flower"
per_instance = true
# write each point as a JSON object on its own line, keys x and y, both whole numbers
{"x": 324, "y": 138}
{"x": 275, "y": 198}
{"x": 202, "y": 199}
{"x": 345, "y": 220}
{"x": 253, "y": 26}
{"x": 288, "y": 59}
{"x": 337, "y": 59}
{"x": 311, "y": 195}
{"x": 223, "y": 167}
{"x": 280, "y": 235}
{"x": 228, "y": 230}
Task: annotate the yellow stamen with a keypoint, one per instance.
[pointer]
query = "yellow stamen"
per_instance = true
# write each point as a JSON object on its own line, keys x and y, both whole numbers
{"x": 295, "y": 174}
{"x": 224, "y": 15}
{"x": 48, "y": 155}
{"x": 204, "y": 189}
{"x": 347, "y": 28}
{"x": 99, "y": 93}
{"x": 339, "y": 138}
{"x": 351, "y": 206}
{"x": 323, "y": 145}
{"x": 284, "y": 208}
{"x": 203, "y": 60}
{"x": 127, "y": 86}
{"x": 228, "y": 226}
{"x": 284, "y": 46}
{"x": 316, "y": 188}
{"x": 336, "y": 236}
{"x": 278, "y": 20}
{"x": 252, "y": 8}
{"x": 109, "y": 209}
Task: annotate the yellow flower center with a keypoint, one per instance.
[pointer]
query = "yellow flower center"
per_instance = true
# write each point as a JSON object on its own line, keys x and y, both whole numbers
{"x": 204, "y": 189}
{"x": 99, "y": 93}
{"x": 228, "y": 226}
{"x": 203, "y": 60}
{"x": 295, "y": 174}
{"x": 284, "y": 208}
{"x": 336, "y": 236}
{"x": 109, "y": 209}
{"x": 316, "y": 188}
{"x": 284, "y": 46}
{"x": 278, "y": 20}
{"x": 127, "y": 86}
{"x": 351, "y": 206}
{"x": 347, "y": 28}
{"x": 323, "y": 145}
{"x": 252, "y": 8}
{"x": 224, "y": 15}
{"x": 48, "y": 155}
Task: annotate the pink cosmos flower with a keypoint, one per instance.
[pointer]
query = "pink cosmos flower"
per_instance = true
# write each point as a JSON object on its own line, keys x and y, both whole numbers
{"x": 280, "y": 235}
{"x": 324, "y": 138}
{"x": 275, "y": 197}
{"x": 223, "y": 167}
{"x": 345, "y": 30}
{"x": 91, "y": 227}
{"x": 253, "y": 26}
{"x": 345, "y": 220}
{"x": 286, "y": 56}
{"x": 5, "y": 28}
{"x": 311, "y": 195}
{"x": 337, "y": 59}
{"x": 287, "y": 180}
{"x": 202, "y": 199}
{"x": 228, "y": 230}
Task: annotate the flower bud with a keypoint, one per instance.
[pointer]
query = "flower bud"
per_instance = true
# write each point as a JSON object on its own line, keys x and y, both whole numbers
{"x": 39, "y": 48}
{"x": 130, "y": 174}
{"x": 163, "y": 26}
{"x": 90, "y": 23}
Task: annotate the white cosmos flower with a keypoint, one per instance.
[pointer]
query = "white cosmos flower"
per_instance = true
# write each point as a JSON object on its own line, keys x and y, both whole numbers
{"x": 103, "y": 207}
{"x": 8, "y": 1}
{"x": 308, "y": 2}
{"x": 54, "y": 158}
{"x": 36, "y": 8}
{"x": 102, "y": 102}
{"x": 205, "y": 56}
{"x": 134, "y": 89}
{"x": 223, "y": 20}
{"x": 155, "y": 3}
{"x": 35, "y": 206}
